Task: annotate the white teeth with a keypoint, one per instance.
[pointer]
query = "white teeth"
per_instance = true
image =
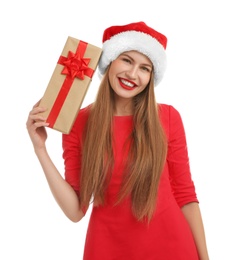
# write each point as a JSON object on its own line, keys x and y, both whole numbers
{"x": 128, "y": 84}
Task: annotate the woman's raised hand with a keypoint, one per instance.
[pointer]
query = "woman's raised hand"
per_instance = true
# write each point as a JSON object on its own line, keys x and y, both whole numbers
{"x": 36, "y": 127}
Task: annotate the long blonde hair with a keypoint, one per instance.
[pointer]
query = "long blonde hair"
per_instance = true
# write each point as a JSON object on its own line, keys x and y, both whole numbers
{"x": 147, "y": 155}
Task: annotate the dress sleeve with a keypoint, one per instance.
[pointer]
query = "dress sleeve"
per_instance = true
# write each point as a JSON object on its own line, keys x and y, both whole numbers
{"x": 178, "y": 161}
{"x": 72, "y": 158}
{"x": 72, "y": 149}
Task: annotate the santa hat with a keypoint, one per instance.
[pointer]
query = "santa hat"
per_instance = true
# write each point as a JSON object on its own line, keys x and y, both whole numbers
{"x": 138, "y": 37}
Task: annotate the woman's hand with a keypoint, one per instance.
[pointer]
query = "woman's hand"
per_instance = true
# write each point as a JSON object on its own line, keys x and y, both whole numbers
{"x": 36, "y": 127}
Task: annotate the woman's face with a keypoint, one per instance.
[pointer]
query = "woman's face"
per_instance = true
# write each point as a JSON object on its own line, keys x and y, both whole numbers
{"x": 129, "y": 74}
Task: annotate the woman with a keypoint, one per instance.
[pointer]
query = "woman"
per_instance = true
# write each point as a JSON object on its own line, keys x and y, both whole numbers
{"x": 127, "y": 155}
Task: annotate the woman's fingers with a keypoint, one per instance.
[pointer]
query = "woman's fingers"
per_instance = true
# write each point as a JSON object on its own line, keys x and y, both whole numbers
{"x": 37, "y": 104}
{"x": 35, "y": 118}
{"x": 35, "y": 114}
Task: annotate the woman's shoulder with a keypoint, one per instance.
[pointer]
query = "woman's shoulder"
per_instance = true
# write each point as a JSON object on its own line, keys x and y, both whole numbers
{"x": 81, "y": 118}
{"x": 167, "y": 109}
{"x": 84, "y": 113}
{"x": 170, "y": 117}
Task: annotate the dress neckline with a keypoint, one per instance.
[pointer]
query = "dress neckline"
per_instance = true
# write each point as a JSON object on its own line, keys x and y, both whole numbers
{"x": 125, "y": 116}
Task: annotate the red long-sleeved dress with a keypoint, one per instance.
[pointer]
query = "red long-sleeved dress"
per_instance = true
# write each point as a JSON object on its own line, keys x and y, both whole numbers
{"x": 113, "y": 232}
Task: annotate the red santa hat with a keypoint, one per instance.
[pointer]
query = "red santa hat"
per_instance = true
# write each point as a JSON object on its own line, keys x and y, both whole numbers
{"x": 138, "y": 37}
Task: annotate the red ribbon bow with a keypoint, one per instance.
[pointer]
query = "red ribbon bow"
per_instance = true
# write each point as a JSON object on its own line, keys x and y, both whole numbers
{"x": 75, "y": 65}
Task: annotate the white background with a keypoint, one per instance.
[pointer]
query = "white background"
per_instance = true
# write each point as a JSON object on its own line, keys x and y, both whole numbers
{"x": 201, "y": 82}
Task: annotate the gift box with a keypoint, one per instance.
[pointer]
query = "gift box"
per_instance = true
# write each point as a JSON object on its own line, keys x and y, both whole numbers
{"x": 69, "y": 83}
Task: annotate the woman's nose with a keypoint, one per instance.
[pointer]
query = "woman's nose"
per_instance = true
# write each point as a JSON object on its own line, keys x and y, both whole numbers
{"x": 132, "y": 72}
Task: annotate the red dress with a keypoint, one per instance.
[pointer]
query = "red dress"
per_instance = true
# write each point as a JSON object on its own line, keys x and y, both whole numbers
{"x": 113, "y": 232}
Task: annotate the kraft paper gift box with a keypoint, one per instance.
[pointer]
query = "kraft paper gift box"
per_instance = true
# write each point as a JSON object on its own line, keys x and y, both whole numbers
{"x": 69, "y": 83}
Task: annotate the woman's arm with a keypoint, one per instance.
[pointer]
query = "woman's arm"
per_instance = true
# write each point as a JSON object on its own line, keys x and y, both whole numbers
{"x": 181, "y": 180}
{"x": 193, "y": 216}
{"x": 63, "y": 193}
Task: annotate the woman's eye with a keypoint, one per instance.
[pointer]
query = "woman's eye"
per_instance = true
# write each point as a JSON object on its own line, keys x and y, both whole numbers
{"x": 126, "y": 60}
{"x": 145, "y": 69}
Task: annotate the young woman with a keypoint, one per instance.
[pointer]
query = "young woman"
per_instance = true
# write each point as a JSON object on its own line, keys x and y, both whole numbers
{"x": 127, "y": 155}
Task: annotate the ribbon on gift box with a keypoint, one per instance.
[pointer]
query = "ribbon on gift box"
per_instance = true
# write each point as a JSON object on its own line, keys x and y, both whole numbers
{"x": 75, "y": 65}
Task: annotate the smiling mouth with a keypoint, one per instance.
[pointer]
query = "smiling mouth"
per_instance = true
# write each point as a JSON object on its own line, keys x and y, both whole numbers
{"x": 127, "y": 84}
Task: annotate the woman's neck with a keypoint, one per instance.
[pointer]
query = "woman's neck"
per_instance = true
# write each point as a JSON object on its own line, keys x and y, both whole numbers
{"x": 123, "y": 107}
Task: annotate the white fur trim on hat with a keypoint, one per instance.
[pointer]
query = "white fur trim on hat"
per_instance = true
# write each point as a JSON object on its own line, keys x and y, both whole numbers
{"x": 137, "y": 41}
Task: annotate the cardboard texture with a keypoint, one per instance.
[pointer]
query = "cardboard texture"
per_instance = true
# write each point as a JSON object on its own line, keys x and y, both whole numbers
{"x": 69, "y": 83}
